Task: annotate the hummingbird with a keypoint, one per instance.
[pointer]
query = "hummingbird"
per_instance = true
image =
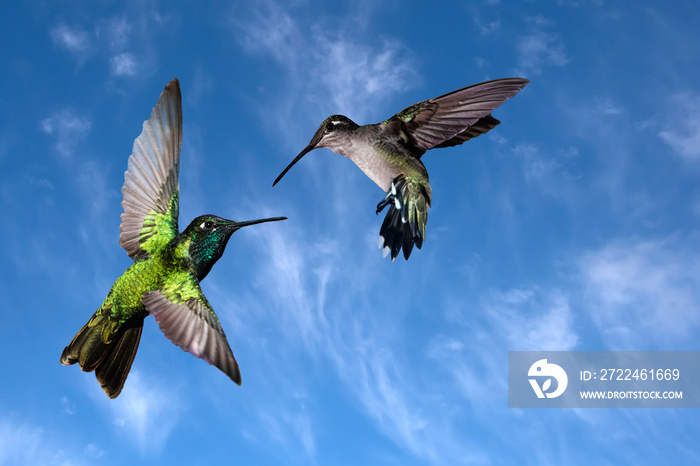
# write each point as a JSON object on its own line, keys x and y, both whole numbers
{"x": 390, "y": 152}
{"x": 168, "y": 265}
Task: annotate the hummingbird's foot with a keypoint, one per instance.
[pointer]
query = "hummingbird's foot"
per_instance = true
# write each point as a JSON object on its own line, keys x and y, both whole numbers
{"x": 383, "y": 204}
{"x": 390, "y": 198}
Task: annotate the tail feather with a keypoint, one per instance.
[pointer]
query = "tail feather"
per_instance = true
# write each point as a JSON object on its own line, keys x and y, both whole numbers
{"x": 393, "y": 233}
{"x": 110, "y": 357}
{"x": 404, "y": 224}
{"x": 115, "y": 367}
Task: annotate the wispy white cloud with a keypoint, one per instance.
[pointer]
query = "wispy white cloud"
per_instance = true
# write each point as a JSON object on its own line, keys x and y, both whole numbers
{"x": 538, "y": 169}
{"x": 643, "y": 293}
{"x": 379, "y": 388}
{"x": 394, "y": 396}
{"x": 525, "y": 318}
{"x": 335, "y": 66}
{"x": 300, "y": 286}
{"x": 288, "y": 427}
{"x": 538, "y": 50}
{"x": 475, "y": 371}
{"x": 608, "y": 107}
{"x": 271, "y": 31}
{"x": 531, "y": 319}
{"x": 480, "y": 62}
{"x": 123, "y": 64}
{"x": 91, "y": 179}
{"x": 147, "y": 411}
{"x": 356, "y": 75}
{"x": 67, "y": 406}
{"x": 109, "y": 39}
{"x": 118, "y": 30}
{"x": 22, "y": 442}
{"x": 294, "y": 275}
{"x": 471, "y": 353}
{"x": 67, "y": 128}
{"x": 621, "y": 142}
{"x": 682, "y": 132}
{"x": 201, "y": 86}
{"x": 485, "y": 25}
{"x": 71, "y": 38}
{"x": 490, "y": 27}
{"x": 552, "y": 173}
{"x": 348, "y": 336}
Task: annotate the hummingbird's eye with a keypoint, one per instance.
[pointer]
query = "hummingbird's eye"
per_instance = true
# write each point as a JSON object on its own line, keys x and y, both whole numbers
{"x": 330, "y": 126}
{"x": 207, "y": 225}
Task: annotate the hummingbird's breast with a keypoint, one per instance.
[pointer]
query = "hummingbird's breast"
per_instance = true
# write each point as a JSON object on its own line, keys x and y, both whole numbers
{"x": 374, "y": 165}
{"x": 143, "y": 276}
{"x": 382, "y": 160}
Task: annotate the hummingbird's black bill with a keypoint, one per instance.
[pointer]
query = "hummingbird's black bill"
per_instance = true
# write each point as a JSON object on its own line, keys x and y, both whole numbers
{"x": 255, "y": 222}
{"x": 306, "y": 150}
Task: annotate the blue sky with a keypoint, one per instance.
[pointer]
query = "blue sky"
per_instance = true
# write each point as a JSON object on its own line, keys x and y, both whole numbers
{"x": 574, "y": 225}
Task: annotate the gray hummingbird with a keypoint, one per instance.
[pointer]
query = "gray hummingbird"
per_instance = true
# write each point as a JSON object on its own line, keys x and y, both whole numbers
{"x": 390, "y": 152}
{"x": 168, "y": 266}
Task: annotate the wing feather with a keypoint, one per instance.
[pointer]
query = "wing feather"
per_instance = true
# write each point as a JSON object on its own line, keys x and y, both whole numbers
{"x": 188, "y": 320}
{"x": 151, "y": 187}
{"x": 448, "y": 120}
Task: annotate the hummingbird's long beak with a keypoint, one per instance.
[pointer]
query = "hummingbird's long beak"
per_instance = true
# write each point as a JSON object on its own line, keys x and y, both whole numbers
{"x": 313, "y": 144}
{"x": 307, "y": 149}
{"x": 246, "y": 223}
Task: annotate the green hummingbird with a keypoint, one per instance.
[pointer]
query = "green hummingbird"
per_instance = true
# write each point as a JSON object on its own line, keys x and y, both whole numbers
{"x": 168, "y": 266}
{"x": 389, "y": 153}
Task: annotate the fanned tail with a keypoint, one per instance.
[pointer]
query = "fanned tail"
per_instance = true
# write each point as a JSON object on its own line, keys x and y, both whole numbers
{"x": 94, "y": 348}
{"x": 404, "y": 224}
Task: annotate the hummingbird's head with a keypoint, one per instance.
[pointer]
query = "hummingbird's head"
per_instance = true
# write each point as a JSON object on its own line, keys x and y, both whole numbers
{"x": 208, "y": 236}
{"x": 332, "y": 134}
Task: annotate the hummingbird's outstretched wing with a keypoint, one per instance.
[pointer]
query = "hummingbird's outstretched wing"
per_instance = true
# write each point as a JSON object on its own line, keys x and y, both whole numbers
{"x": 151, "y": 187}
{"x": 458, "y": 116}
{"x": 188, "y": 320}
